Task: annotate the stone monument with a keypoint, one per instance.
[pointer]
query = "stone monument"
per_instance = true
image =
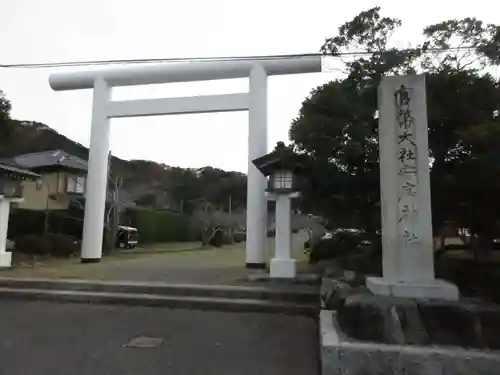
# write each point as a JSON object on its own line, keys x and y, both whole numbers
{"x": 407, "y": 241}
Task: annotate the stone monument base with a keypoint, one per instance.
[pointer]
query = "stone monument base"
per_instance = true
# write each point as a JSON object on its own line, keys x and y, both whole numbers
{"x": 436, "y": 289}
{"x": 282, "y": 268}
{"x": 5, "y": 259}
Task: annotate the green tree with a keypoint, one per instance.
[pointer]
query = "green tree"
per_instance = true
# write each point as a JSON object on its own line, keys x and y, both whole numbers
{"x": 5, "y": 120}
{"x": 337, "y": 124}
{"x": 4, "y": 107}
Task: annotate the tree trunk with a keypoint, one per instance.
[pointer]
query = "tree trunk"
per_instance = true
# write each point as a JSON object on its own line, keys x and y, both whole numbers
{"x": 207, "y": 234}
{"x": 114, "y": 228}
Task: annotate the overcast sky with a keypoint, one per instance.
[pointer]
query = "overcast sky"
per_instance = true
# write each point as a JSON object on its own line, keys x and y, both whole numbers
{"x": 35, "y": 31}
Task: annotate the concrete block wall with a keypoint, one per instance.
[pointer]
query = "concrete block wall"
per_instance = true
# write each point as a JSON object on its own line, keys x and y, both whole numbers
{"x": 341, "y": 355}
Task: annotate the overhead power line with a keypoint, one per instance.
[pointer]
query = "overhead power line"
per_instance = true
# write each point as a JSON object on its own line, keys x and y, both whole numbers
{"x": 212, "y": 59}
{"x": 153, "y": 60}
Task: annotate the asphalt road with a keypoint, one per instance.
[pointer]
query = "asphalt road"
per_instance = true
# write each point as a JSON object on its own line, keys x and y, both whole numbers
{"x": 42, "y": 338}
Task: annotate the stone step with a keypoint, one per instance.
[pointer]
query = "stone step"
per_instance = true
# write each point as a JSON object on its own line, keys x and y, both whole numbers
{"x": 154, "y": 300}
{"x": 285, "y": 293}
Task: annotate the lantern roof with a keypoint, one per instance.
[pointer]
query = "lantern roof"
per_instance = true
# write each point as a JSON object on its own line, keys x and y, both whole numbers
{"x": 281, "y": 158}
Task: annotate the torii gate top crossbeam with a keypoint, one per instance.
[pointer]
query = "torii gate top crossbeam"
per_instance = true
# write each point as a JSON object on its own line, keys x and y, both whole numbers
{"x": 186, "y": 72}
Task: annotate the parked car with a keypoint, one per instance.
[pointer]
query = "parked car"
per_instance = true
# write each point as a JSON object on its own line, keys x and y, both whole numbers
{"x": 326, "y": 236}
{"x": 341, "y": 242}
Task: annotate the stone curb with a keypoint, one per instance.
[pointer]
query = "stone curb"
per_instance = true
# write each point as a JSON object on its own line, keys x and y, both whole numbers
{"x": 341, "y": 355}
{"x": 165, "y": 289}
{"x": 172, "y": 302}
{"x": 146, "y": 251}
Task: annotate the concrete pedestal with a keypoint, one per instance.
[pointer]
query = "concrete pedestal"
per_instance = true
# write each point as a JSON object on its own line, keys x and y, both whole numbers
{"x": 283, "y": 268}
{"x": 5, "y": 257}
{"x": 282, "y": 265}
{"x": 435, "y": 289}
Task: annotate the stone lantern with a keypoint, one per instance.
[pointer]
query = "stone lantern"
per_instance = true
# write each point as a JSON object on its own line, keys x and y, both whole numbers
{"x": 283, "y": 167}
{"x": 11, "y": 191}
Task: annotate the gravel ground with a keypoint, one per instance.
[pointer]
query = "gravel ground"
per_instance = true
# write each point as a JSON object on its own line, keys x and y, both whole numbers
{"x": 224, "y": 265}
{"x": 42, "y": 338}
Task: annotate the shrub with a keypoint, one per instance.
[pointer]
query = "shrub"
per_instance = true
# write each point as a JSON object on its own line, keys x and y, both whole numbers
{"x": 340, "y": 244}
{"x": 217, "y": 239}
{"x": 23, "y": 222}
{"x": 62, "y": 245}
{"x": 160, "y": 226}
{"x": 33, "y": 244}
{"x": 55, "y": 244}
{"x": 239, "y": 237}
{"x": 227, "y": 239}
{"x": 108, "y": 242}
{"x": 323, "y": 249}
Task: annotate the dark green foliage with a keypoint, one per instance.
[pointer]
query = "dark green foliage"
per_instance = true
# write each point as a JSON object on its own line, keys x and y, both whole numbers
{"x": 239, "y": 237}
{"x": 33, "y": 244}
{"x": 23, "y": 222}
{"x": 218, "y": 239}
{"x": 322, "y": 250}
{"x": 160, "y": 226}
{"x": 55, "y": 244}
{"x": 337, "y": 125}
{"x": 227, "y": 239}
{"x": 108, "y": 242}
{"x": 62, "y": 245}
{"x": 345, "y": 244}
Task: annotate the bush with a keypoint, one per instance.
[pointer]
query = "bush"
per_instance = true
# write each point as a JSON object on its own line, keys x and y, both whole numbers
{"x": 239, "y": 237}
{"x": 33, "y": 244}
{"x": 62, "y": 245}
{"x": 323, "y": 249}
{"x": 108, "y": 242}
{"x": 23, "y": 222}
{"x": 58, "y": 245}
{"x": 160, "y": 226}
{"x": 227, "y": 239}
{"x": 343, "y": 243}
{"x": 217, "y": 239}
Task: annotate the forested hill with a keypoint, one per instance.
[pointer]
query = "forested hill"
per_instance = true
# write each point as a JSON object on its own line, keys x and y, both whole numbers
{"x": 148, "y": 182}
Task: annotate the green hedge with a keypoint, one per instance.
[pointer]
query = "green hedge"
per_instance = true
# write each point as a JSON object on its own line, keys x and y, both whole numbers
{"x": 55, "y": 244}
{"x": 153, "y": 225}
{"x": 23, "y": 222}
{"x": 161, "y": 226}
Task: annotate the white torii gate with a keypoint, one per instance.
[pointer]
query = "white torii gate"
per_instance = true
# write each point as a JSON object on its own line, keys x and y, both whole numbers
{"x": 102, "y": 81}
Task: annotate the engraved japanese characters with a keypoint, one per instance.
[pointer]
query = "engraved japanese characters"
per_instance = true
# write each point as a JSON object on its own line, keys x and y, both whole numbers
{"x": 407, "y": 168}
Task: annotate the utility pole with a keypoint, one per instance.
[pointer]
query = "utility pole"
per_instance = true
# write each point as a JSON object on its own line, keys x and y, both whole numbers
{"x": 46, "y": 219}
